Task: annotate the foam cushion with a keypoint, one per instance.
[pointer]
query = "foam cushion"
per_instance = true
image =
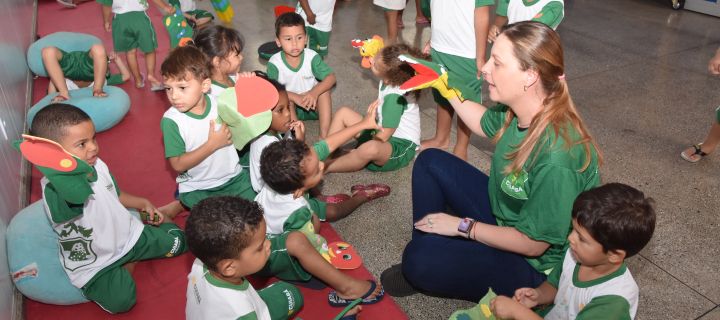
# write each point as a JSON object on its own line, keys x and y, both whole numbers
{"x": 33, "y": 257}
{"x": 105, "y": 112}
{"x": 67, "y": 41}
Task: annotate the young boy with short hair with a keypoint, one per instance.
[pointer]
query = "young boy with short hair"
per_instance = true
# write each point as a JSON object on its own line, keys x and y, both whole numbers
{"x": 610, "y": 224}
{"x": 299, "y": 69}
{"x": 131, "y": 29}
{"x": 290, "y": 168}
{"x": 75, "y": 69}
{"x": 198, "y": 149}
{"x": 98, "y": 237}
{"x": 227, "y": 235}
{"x": 318, "y": 15}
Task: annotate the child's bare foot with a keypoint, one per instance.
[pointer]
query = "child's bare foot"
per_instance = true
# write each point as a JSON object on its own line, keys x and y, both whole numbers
{"x": 155, "y": 84}
{"x": 171, "y": 210}
{"x": 434, "y": 143}
{"x": 359, "y": 289}
{"x": 140, "y": 82}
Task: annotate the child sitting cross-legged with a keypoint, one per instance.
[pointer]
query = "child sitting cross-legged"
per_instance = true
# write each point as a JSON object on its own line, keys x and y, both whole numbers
{"x": 610, "y": 224}
{"x": 393, "y": 147}
{"x": 289, "y": 169}
{"x": 227, "y": 235}
{"x": 307, "y": 78}
{"x": 98, "y": 238}
{"x": 201, "y": 152}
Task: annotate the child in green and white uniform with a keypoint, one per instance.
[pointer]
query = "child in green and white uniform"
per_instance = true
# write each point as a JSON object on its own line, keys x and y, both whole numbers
{"x": 131, "y": 29}
{"x": 610, "y": 224}
{"x": 198, "y": 17}
{"x": 547, "y": 12}
{"x": 97, "y": 234}
{"x": 227, "y": 234}
{"x": 207, "y": 164}
{"x": 318, "y": 15}
{"x": 394, "y": 146}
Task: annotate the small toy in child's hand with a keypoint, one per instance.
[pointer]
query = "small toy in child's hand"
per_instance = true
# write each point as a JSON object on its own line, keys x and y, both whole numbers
{"x": 481, "y": 311}
{"x": 368, "y": 48}
{"x": 344, "y": 256}
{"x": 145, "y": 217}
{"x": 428, "y": 74}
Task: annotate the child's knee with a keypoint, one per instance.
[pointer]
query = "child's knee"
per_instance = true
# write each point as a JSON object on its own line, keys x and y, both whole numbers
{"x": 121, "y": 302}
{"x": 50, "y": 53}
{"x": 97, "y": 50}
{"x": 297, "y": 242}
{"x": 369, "y": 150}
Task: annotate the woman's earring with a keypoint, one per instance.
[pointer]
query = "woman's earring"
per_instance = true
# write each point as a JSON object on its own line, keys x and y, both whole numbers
{"x": 525, "y": 88}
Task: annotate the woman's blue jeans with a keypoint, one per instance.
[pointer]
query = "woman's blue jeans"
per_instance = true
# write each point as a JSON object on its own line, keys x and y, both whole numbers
{"x": 453, "y": 266}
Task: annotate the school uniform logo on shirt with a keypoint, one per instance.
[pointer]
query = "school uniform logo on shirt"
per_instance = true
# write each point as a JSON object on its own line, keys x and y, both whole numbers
{"x": 514, "y": 185}
{"x": 76, "y": 246}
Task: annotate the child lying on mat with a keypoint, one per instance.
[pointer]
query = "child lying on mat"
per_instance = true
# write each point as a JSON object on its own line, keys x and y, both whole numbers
{"x": 289, "y": 169}
{"x": 79, "y": 69}
{"x": 393, "y": 147}
{"x": 99, "y": 239}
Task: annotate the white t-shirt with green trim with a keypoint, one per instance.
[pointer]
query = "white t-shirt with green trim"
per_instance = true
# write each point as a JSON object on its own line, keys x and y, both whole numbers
{"x": 216, "y": 88}
{"x": 400, "y": 112}
{"x": 185, "y": 132}
{"x": 212, "y": 298}
{"x": 301, "y": 79}
{"x": 102, "y": 234}
{"x": 278, "y": 208}
{"x": 614, "y": 296}
{"x": 323, "y": 10}
{"x": 453, "y": 26}
{"x": 518, "y": 10}
{"x": 125, "y": 6}
{"x": 256, "y": 148}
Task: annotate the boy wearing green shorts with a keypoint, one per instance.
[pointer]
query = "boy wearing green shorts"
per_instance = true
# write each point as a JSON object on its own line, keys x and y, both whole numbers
{"x": 131, "y": 30}
{"x": 227, "y": 235}
{"x": 97, "y": 235}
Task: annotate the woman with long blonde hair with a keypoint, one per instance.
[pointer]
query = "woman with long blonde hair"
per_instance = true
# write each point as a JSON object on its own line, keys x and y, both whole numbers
{"x": 507, "y": 229}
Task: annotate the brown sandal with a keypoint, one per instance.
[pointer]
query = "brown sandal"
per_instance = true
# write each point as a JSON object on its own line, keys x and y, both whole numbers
{"x": 698, "y": 151}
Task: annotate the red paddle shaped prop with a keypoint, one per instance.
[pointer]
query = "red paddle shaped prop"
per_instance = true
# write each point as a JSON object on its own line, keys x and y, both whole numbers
{"x": 47, "y": 153}
{"x": 279, "y": 10}
{"x": 255, "y": 95}
{"x": 344, "y": 256}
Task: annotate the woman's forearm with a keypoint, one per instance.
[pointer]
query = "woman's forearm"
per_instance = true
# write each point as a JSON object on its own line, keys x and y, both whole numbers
{"x": 508, "y": 239}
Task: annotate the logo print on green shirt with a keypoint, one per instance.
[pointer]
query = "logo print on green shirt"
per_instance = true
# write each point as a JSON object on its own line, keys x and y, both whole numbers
{"x": 514, "y": 185}
{"x": 76, "y": 251}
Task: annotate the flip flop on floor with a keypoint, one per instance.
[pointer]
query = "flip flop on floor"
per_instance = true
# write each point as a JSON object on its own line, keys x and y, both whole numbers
{"x": 378, "y": 190}
{"x": 157, "y": 87}
{"x": 336, "y": 301}
{"x": 343, "y": 314}
{"x": 698, "y": 151}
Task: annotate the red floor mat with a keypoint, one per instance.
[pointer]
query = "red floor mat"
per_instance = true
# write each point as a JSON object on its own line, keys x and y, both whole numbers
{"x": 134, "y": 152}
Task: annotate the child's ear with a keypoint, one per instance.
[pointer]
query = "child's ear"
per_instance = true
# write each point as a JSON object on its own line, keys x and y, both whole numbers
{"x": 227, "y": 268}
{"x": 616, "y": 256}
{"x": 215, "y": 61}
{"x": 206, "y": 85}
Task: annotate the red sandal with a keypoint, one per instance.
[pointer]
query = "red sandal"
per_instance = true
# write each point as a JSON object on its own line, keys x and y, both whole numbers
{"x": 335, "y": 198}
{"x": 371, "y": 191}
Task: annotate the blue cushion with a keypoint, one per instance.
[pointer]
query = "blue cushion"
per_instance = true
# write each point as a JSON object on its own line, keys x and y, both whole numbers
{"x": 105, "y": 112}
{"x": 67, "y": 41}
{"x": 33, "y": 257}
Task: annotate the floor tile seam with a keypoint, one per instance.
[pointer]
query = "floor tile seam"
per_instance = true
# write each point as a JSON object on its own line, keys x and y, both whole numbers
{"x": 717, "y": 307}
{"x": 681, "y": 281}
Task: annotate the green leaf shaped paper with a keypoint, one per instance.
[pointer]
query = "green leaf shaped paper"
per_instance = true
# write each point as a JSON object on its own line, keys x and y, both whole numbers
{"x": 481, "y": 311}
{"x": 246, "y": 108}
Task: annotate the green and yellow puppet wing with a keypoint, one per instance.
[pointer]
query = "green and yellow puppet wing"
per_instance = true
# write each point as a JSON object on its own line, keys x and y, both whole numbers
{"x": 429, "y": 74}
{"x": 481, "y": 311}
{"x": 246, "y": 108}
{"x": 66, "y": 172}
{"x": 179, "y": 30}
{"x": 223, "y": 10}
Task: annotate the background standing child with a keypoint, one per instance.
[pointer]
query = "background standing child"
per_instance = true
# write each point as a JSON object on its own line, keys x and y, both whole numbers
{"x": 393, "y": 17}
{"x": 98, "y": 238}
{"x": 299, "y": 69}
{"x": 318, "y": 15}
{"x": 610, "y": 224}
{"x": 227, "y": 235}
{"x": 458, "y": 42}
{"x": 696, "y": 152}
{"x": 131, "y": 29}
{"x": 201, "y": 152}
{"x": 76, "y": 69}
{"x": 547, "y": 12}
{"x": 392, "y": 147}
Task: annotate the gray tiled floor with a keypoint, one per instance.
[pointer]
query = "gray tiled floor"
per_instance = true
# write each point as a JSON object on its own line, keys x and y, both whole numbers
{"x": 637, "y": 71}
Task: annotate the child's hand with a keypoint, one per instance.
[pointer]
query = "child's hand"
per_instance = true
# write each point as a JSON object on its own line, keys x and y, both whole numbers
{"x": 99, "y": 93}
{"x": 370, "y": 122}
{"x": 296, "y": 99}
{"x": 505, "y": 308}
{"x": 527, "y": 297}
{"x": 299, "y": 128}
{"x": 714, "y": 65}
{"x": 308, "y": 101}
{"x": 246, "y": 74}
{"x": 493, "y": 33}
{"x": 108, "y": 27}
{"x": 311, "y": 17}
{"x": 220, "y": 137}
{"x": 152, "y": 212}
